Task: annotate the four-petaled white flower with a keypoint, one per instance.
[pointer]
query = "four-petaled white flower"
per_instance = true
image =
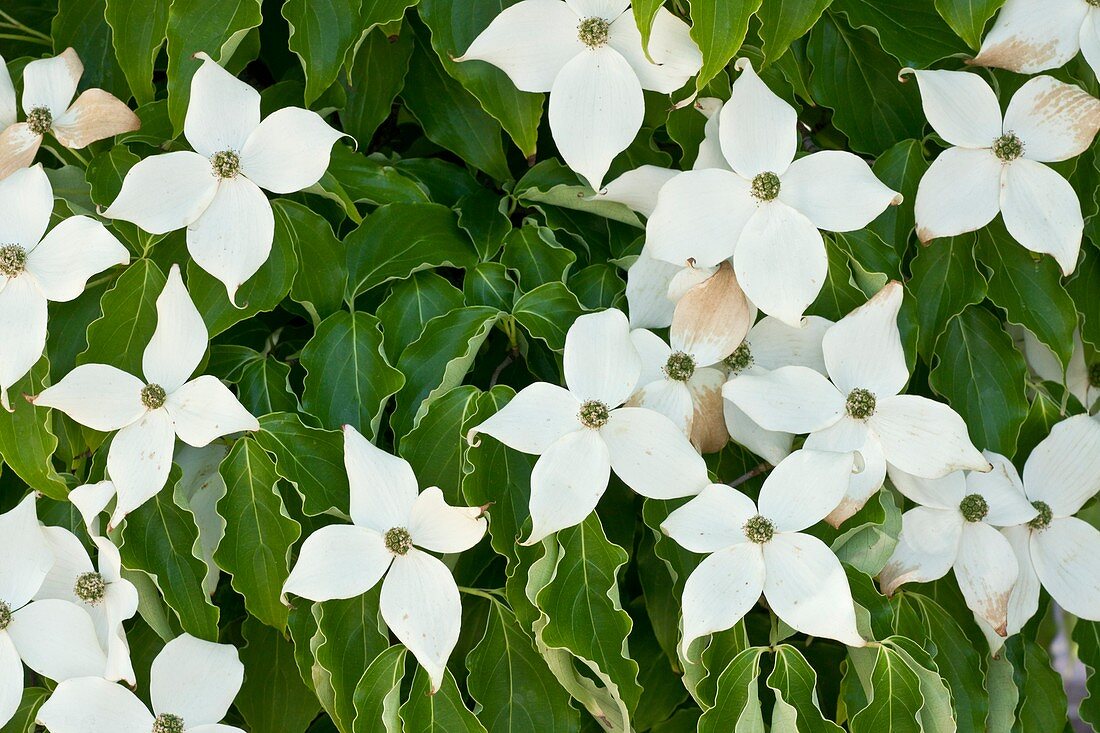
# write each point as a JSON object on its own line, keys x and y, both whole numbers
{"x": 148, "y": 414}
{"x": 215, "y": 192}
{"x": 861, "y": 409}
{"x": 588, "y": 55}
{"x": 998, "y": 166}
{"x": 108, "y": 598}
{"x": 756, "y": 548}
{"x": 955, "y": 528}
{"x": 192, "y": 683}
{"x": 581, "y": 433}
{"x": 55, "y": 638}
{"x": 1036, "y": 35}
{"x": 681, "y": 381}
{"x": 35, "y": 269}
{"x": 48, "y": 89}
{"x": 390, "y": 523}
{"x": 766, "y": 211}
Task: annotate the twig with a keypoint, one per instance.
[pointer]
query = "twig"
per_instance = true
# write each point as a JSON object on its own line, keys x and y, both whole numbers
{"x": 762, "y": 468}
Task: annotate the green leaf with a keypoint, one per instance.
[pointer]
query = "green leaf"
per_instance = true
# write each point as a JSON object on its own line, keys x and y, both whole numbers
{"x": 378, "y": 693}
{"x": 872, "y": 535}
{"x": 436, "y": 447}
{"x": 129, "y": 308}
{"x": 263, "y": 386}
{"x": 488, "y": 284}
{"x": 983, "y": 377}
{"x": 513, "y": 687}
{"x": 321, "y": 33}
{"x": 82, "y": 24}
{"x": 321, "y": 274}
{"x": 910, "y": 30}
{"x": 547, "y": 312}
{"x": 441, "y": 712}
{"x": 454, "y": 26}
{"x": 350, "y": 638}
{"x": 273, "y": 698}
{"x": 375, "y": 79}
{"x": 1086, "y": 634}
{"x": 784, "y": 21}
{"x": 644, "y": 13}
{"x": 599, "y": 286}
{"x": 738, "y": 701}
{"x": 1084, "y": 287}
{"x": 139, "y": 29}
{"x": 411, "y": 304}
{"x": 258, "y": 532}
{"x": 968, "y": 17}
{"x": 374, "y": 180}
{"x": 1042, "y": 705}
{"x": 794, "y": 682}
{"x": 901, "y": 168}
{"x": 348, "y": 379}
{"x": 895, "y": 697}
{"x": 311, "y": 459}
{"x": 483, "y": 214}
{"x": 719, "y": 28}
{"x": 439, "y": 360}
{"x": 400, "y": 239}
{"x": 23, "y": 720}
{"x": 936, "y": 714}
{"x": 945, "y": 281}
{"x": 26, "y": 438}
{"x": 534, "y": 254}
{"x": 162, "y": 539}
{"x": 839, "y": 294}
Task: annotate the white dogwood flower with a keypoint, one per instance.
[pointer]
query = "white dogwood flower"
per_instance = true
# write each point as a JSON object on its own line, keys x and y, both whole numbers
{"x": 766, "y": 211}
{"x": 49, "y": 86}
{"x": 680, "y": 381}
{"x": 769, "y": 345}
{"x": 108, "y": 598}
{"x": 150, "y": 413}
{"x": 192, "y": 684}
{"x": 1033, "y": 35}
{"x": 216, "y": 191}
{"x": 955, "y": 528}
{"x": 35, "y": 269}
{"x": 588, "y": 54}
{"x": 761, "y": 548}
{"x": 998, "y": 165}
{"x": 861, "y": 408}
{"x": 581, "y": 433}
{"x": 391, "y": 522}
{"x": 55, "y": 638}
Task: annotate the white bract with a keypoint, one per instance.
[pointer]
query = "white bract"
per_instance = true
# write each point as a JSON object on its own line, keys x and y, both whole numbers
{"x": 679, "y": 381}
{"x": 215, "y": 192}
{"x": 35, "y": 269}
{"x": 955, "y": 528}
{"x": 391, "y": 522}
{"x": 766, "y": 211}
{"x": 150, "y": 413}
{"x": 192, "y": 683}
{"x": 998, "y": 165}
{"x": 49, "y": 86}
{"x": 861, "y": 408}
{"x": 588, "y": 55}
{"x": 107, "y": 597}
{"x": 761, "y": 548}
{"x": 581, "y": 433}
{"x": 1080, "y": 377}
{"x": 53, "y": 637}
{"x": 1036, "y": 35}
{"x": 769, "y": 345}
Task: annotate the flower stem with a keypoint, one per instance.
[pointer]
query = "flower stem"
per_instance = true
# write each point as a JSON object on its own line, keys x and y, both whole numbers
{"x": 752, "y": 473}
{"x": 491, "y": 595}
{"x": 25, "y": 39}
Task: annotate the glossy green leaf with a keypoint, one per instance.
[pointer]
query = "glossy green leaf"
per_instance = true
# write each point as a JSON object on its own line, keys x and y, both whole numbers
{"x": 719, "y": 28}
{"x": 376, "y": 77}
{"x": 321, "y": 34}
{"x": 793, "y": 681}
{"x": 442, "y": 712}
{"x": 273, "y": 698}
{"x": 129, "y": 308}
{"x": 945, "y": 281}
{"x": 738, "y": 697}
{"x": 350, "y": 638}
{"x": 968, "y": 17}
{"x": 783, "y": 21}
{"x": 377, "y": 696}
{"x": 26, "y": 436}
{"x": 321, "y": 273}
{"x": 895, "y": 698}
{"x": 139, "y": 29}
{"x": 411, "y": 304}
{"x": 311, "y": 459}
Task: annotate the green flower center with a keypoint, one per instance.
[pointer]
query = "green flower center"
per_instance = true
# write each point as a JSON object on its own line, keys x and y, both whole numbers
{"x": 1046, "y": 514}
{"x": 740, "y": 360}
{"x": 680, "y": 366}
{"x": 594, "y": 32}
{"x": 5, "y": 615}
{"x": 1094, "y": 370}
{"x": 594, "y": 414}
{"x": 974, "y": 507}
{"x": 13, "y": 260}
{"x": 759, "y": 529}
{"x": 860, "y": 403}
{"x": 39, "y": 120}
{"x": 168, "y": 723}
{"x": 398, "y": 540}
{"x": 90, "y": 588}
{"x": 765, "y": 186}
{"x": 226, "y": 164}
{"x": 153, "y": 396}
{"x": 1008, "y": 147}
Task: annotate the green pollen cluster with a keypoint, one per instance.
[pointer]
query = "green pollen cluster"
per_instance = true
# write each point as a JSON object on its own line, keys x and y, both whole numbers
{"x": 974, "y": 507}
{"x": 226, "y": 164}
{"x": 398, "y": 540}
{"x": 168, "y": 723}
{"x": 860, "y": 404}
{"x": 1008, "y": 147}
{"x": 594, "y": 32}
{"x": 5, "y": 615}
{"x": 765, "y": 186}
{"x": 153, "y": 396}
{"x": 1094, "y": 370}
{"x": 39, "y": 120}
{"x": 594, "y": 414}
{"x": 740, "y": 360}
{"x": 13, "y": 260}
{"x": 90, "y": 588}
{"x": 680, "y": 366}
{"x": 759, "y": 529}
{"x": 1046, "y": 514}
